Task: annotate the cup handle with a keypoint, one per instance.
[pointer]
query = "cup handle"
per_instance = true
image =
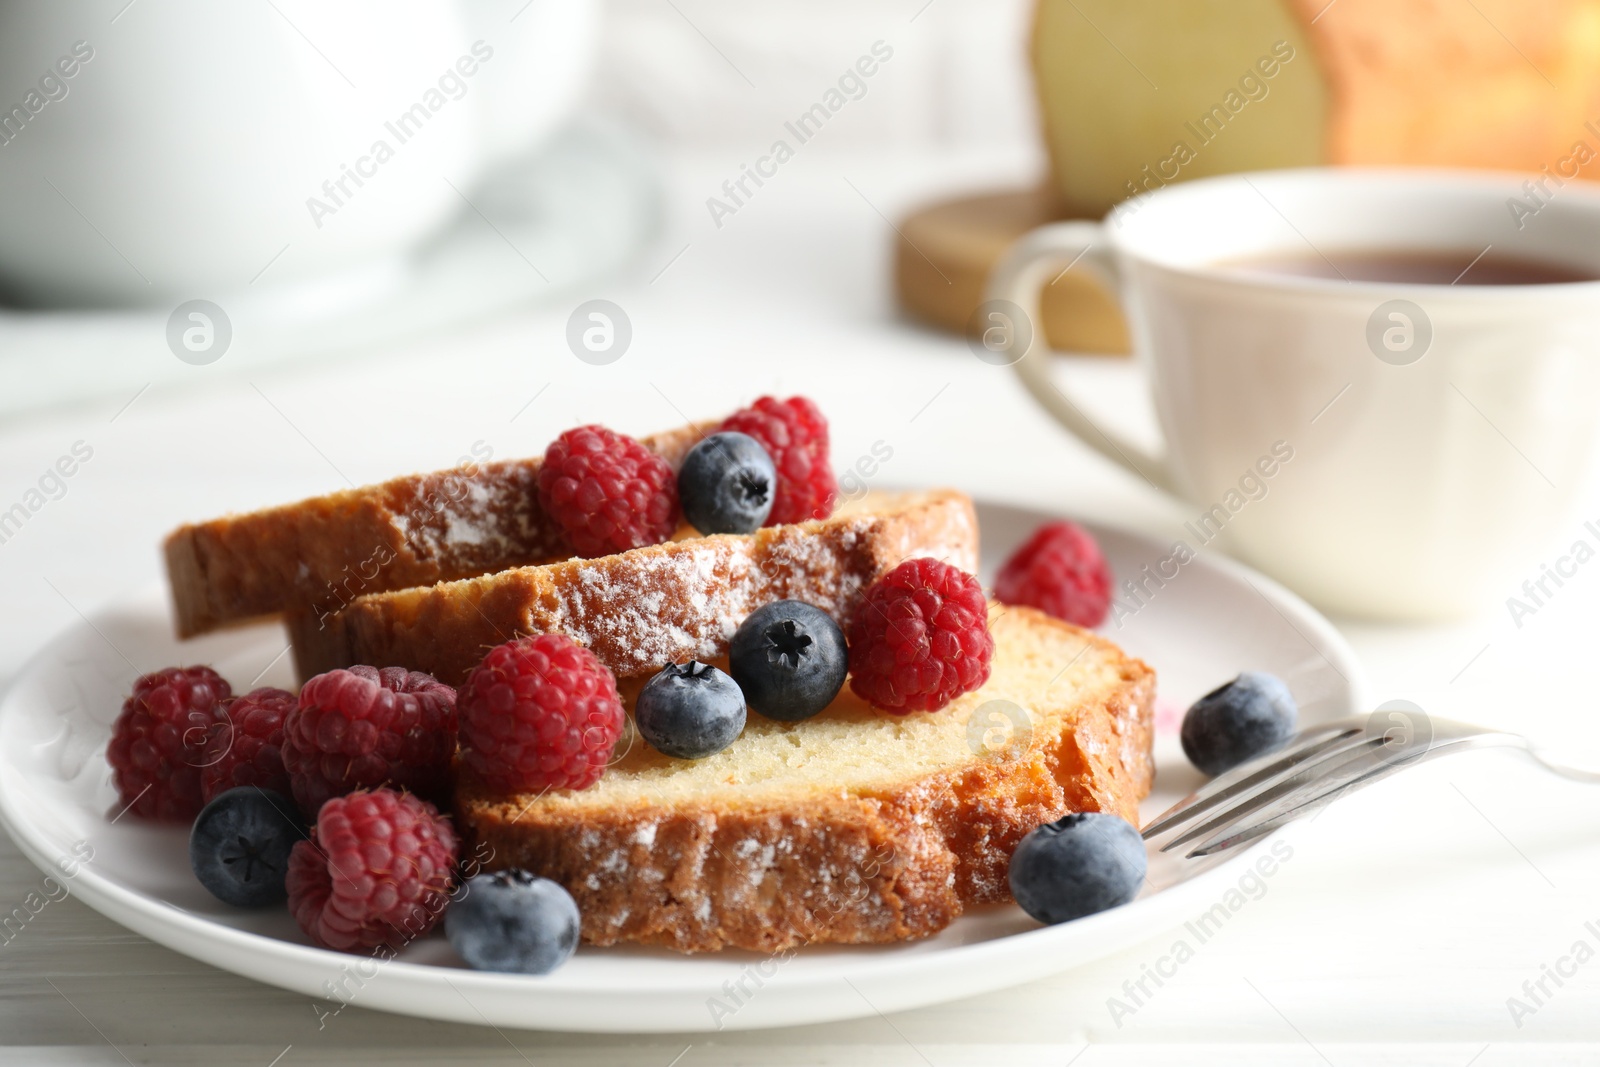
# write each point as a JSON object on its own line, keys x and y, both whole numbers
{"x": 1020, "y": 278}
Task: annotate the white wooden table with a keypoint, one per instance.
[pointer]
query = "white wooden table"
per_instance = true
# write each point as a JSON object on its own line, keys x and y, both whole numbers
{"x": 1409, "y": 913}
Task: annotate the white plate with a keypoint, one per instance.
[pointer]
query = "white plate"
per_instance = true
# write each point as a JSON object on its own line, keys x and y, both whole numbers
{"x": 1210, "y": 621}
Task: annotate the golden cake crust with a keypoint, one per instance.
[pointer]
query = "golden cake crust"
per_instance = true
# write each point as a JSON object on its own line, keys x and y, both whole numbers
{"x": 895, "y": 861}
{"x": 1431, "y": 83}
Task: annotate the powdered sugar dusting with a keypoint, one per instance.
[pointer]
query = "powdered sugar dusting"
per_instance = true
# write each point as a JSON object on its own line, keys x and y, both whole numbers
{"x": 466, "y": 516}
{"x": 476, "y": 516}
{"x": 673, "y": 602}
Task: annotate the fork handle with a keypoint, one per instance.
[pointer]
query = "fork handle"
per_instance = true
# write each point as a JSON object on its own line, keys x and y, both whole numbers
{"x": 1564, "y": 769}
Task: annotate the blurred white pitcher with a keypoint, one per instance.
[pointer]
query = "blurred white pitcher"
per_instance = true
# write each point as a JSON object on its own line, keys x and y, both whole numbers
{"x": 1391, "y": 450}
{"x": 160, "y": 151}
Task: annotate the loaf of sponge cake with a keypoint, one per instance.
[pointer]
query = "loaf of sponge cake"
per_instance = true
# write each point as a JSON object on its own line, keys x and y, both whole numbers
{"x": 1135, "y": 94}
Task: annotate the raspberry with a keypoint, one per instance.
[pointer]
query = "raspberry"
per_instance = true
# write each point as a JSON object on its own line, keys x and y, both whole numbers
{"x": 377, "y": 870}
{"x": 540, "y": 713}
{"x": 246, "y": 746}
{"x": 920, "y": 638}
{"x": 607, "y": 491}
{"x": 362, "y": 727}
{"x": 795, "y": 435}
{"x": 1060, "y": 571}
{"x": 158, "y": 742}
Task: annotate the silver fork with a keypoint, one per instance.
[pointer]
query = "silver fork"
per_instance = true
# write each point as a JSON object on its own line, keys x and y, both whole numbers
{"x": 1316, "y": 768}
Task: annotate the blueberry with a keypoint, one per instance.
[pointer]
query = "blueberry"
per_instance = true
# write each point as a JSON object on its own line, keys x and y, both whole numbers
{"x": 727, "y": 484}
{"x": 689, "y": 710}
{"x": 790, "y": 659}
{"x": 512, "y": 921}
{"x": 1250, "y": 715}
{"x": 1078, "y": 865}
{"x": 239, "y": 845}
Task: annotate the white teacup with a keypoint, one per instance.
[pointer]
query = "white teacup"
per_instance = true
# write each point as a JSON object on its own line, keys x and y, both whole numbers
{"x": 1390, "y": 450}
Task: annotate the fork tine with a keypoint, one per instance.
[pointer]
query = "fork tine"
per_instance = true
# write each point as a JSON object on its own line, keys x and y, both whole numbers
{"x": 1235, "y": 838}
{"x": 1306, "y": 747}
{"x": 1307, "y": 779}
{"x": 1370, "y": 767}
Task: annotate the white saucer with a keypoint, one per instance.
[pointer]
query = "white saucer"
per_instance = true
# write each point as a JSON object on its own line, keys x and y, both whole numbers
{"x": 536, "y": 229}
{"x": 1212, "y": 620}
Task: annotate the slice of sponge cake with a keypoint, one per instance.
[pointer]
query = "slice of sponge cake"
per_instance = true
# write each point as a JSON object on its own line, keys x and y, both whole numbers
{"x": 854, "y": 826}
{"x": 642, "y": 609}
{"x": 316, "y": 555}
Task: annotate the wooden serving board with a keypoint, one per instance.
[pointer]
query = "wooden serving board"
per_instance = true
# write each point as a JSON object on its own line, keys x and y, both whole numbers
{"x": 945, "y": 251}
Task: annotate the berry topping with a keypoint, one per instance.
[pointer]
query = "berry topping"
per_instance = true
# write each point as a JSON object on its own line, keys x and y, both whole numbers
{"x": 540, "y": 713}
{"x": 512, "y": 921}
{"x": 1061, "y": 571}
{"x": 920, "y": 638}
{"x": 790, "y": 659}
{"x": 689, "y": 710}
{"x": 795, "y": 435}
{"x": 726, "y": 484}
{"x": 608, "y": 492}
{"x": 362, "y": 727}
{"x": 246, "y": 747}
{"x": 376, "y": 871}
{"x": 1248, "y": 717}
{"x": 239, "y": 846}
{"x": 1078, "y": 865}
{"x": 158, "y": 742}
